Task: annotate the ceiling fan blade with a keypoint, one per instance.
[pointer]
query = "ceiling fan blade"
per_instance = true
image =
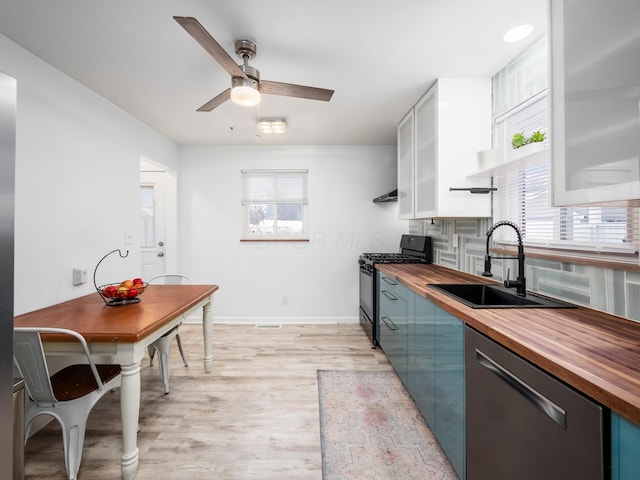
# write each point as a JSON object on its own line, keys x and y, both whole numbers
{"x": 291, "y": 90}
{"x": 197, "y": 31}
{"x": 216, "y": 101}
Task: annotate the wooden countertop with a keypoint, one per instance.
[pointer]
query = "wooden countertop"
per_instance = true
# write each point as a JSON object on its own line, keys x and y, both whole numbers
{"x": 595, "y": 352}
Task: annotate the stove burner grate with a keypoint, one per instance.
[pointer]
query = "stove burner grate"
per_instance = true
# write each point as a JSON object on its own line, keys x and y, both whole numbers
{"x": 392, "y": 258}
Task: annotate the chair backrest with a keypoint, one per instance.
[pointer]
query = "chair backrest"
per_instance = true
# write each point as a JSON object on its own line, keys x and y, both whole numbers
{"x": 171, "y": 279}
{"x": 30, "y": 359}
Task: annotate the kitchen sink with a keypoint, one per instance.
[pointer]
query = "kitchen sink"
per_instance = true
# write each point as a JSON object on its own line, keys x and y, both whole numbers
{"x": 481, "y": 295}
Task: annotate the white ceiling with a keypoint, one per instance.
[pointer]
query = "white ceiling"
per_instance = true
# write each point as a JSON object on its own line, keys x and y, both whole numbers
{"x": 379, "y": 57}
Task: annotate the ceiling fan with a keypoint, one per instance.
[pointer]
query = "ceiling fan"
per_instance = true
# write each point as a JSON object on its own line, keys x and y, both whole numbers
{"x": 246, "y": 85}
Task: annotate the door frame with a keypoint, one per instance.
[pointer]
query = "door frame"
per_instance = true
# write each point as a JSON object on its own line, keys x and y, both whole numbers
{"x": 171, "y": 210}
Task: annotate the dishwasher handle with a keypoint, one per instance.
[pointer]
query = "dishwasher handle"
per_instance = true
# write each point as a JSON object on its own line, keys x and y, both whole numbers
{"x": 546, "y": 406}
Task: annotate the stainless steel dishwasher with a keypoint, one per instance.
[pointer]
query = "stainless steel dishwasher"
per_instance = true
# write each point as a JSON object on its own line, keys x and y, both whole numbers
{"x": 524, "y": 424}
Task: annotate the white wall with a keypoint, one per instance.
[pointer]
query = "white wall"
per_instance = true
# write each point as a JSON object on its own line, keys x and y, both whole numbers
{"x": 77, "y": 175}
{"x": 77, "y": 164}
{"x": 320, "y": 277}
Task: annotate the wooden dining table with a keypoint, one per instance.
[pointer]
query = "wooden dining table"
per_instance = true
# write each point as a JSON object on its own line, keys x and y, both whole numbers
{"x": 122, "y": 334}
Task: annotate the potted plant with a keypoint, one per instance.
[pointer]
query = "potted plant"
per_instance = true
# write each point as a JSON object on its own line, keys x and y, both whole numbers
{"x": 528, "y": 145}
{"x": 518, "y": 140}
{"x": 537, "y": 136}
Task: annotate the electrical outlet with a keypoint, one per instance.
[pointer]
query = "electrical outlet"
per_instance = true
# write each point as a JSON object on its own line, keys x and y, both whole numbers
{"x": 455, "y": 240}
{"x": 128, "y": 238}
{"x": 285, "y": 299}
{"x": 79, "y": 276}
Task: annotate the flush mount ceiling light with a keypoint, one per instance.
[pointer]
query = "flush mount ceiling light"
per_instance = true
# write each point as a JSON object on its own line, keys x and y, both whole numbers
{"x": 518, "y": 33}
{"x": 272, "y": 126}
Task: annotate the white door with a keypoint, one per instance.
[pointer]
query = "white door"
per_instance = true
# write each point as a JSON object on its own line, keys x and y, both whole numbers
{"x": 152, "y": 224}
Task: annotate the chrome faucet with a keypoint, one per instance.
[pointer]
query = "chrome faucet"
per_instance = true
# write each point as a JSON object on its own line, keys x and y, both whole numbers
{"x": 520, "y": 283}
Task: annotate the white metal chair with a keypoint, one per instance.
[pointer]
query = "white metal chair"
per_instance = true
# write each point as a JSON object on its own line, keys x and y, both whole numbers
{"x": 163, "y": 344}
{"x": 68, "y": 395}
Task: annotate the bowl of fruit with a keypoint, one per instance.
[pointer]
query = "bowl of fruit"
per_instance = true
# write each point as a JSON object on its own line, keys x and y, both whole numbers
{"x": 123, "y": 293}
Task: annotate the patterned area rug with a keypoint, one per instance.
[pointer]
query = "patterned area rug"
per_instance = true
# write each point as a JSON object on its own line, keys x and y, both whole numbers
{"x": 371, "y": 429}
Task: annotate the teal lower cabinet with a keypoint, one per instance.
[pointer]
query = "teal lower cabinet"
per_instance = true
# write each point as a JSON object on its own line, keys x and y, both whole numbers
{"x": 435, "y": 374}
{"x": 422, "y": 359}
{"x": 449, "y": 388}
{"x": 394, "y": 323}
{"x": 625, "y": 449}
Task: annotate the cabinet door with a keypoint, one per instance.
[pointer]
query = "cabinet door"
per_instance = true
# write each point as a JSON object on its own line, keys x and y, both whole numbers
{"x": 422, "y": 361}
{"x": 449, "y": 388}
{"x": 394, "y": 326}
{"x": 426, "y": 168}
{"x": 405, "y": 167}
{"x": 463, "y": 129}
{"x": 595, "y": 74}
{"x": 625, "y": 449}
{"x": 452, "y": 124}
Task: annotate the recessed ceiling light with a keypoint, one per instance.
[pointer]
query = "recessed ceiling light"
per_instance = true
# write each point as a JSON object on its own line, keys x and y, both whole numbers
{"x": 518, "y": 33}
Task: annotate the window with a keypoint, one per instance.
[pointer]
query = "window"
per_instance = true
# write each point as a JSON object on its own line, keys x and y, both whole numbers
{"x": 274, "y": 205}
{"x": 147, "y": 216}
{"x": 523, "y": 197}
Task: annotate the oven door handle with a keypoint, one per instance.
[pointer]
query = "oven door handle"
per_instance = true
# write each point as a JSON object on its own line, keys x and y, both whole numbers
{"x": 389, "y": 323}
{"x": 389, "y": 295}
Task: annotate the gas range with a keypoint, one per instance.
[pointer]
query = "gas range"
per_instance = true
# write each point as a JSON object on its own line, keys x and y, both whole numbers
{"x": 413, "y": 249}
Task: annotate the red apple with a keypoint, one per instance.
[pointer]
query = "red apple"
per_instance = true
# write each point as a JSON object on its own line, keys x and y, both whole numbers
{"x": 110, "y": 291}
{"x": 133, "y": 292}
{"x": 138, "y": 281}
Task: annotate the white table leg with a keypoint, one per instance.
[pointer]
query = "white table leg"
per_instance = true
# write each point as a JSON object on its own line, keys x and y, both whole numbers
{"x": 207, "y": 331}
{"x": 130, "y": 411}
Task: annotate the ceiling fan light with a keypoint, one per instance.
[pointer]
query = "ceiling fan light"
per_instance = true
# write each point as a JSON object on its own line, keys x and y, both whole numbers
{"x": 245, "y": 95}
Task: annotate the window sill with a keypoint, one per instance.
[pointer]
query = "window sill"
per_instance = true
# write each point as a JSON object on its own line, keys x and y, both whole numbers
{"x": 614, "y": 261}
{"x": 274, "y": 239}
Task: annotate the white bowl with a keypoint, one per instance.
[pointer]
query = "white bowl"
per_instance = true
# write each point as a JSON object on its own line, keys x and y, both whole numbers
{"x": 487, "y": 159}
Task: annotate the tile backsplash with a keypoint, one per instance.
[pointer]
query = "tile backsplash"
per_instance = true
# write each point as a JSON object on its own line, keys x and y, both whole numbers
{"x": 608, "y": 290}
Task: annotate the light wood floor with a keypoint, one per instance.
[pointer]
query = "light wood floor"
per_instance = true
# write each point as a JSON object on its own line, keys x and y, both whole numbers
{"x": 255, "y": 416}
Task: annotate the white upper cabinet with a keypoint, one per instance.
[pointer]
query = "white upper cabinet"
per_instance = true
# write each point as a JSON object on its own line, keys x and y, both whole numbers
{"x": 595, "y": 93}
{"x": 450, "y": 124}
{"x": 426, "y": 166}
{"x": 406, "y": 144}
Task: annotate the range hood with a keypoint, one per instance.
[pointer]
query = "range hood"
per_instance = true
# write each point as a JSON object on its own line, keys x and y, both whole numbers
{"x": 387, "y": 197}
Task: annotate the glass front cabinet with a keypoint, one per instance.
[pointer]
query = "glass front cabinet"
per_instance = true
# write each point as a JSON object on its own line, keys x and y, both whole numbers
{"x": 595, "y": 98}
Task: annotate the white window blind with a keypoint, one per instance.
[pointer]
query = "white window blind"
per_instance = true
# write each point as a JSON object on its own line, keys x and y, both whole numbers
{"x": 523, "y": 198}
{"x": 274, "y": 204}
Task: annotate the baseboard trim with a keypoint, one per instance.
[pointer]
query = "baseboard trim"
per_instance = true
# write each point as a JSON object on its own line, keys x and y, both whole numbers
{"x": 197, "y": 319}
